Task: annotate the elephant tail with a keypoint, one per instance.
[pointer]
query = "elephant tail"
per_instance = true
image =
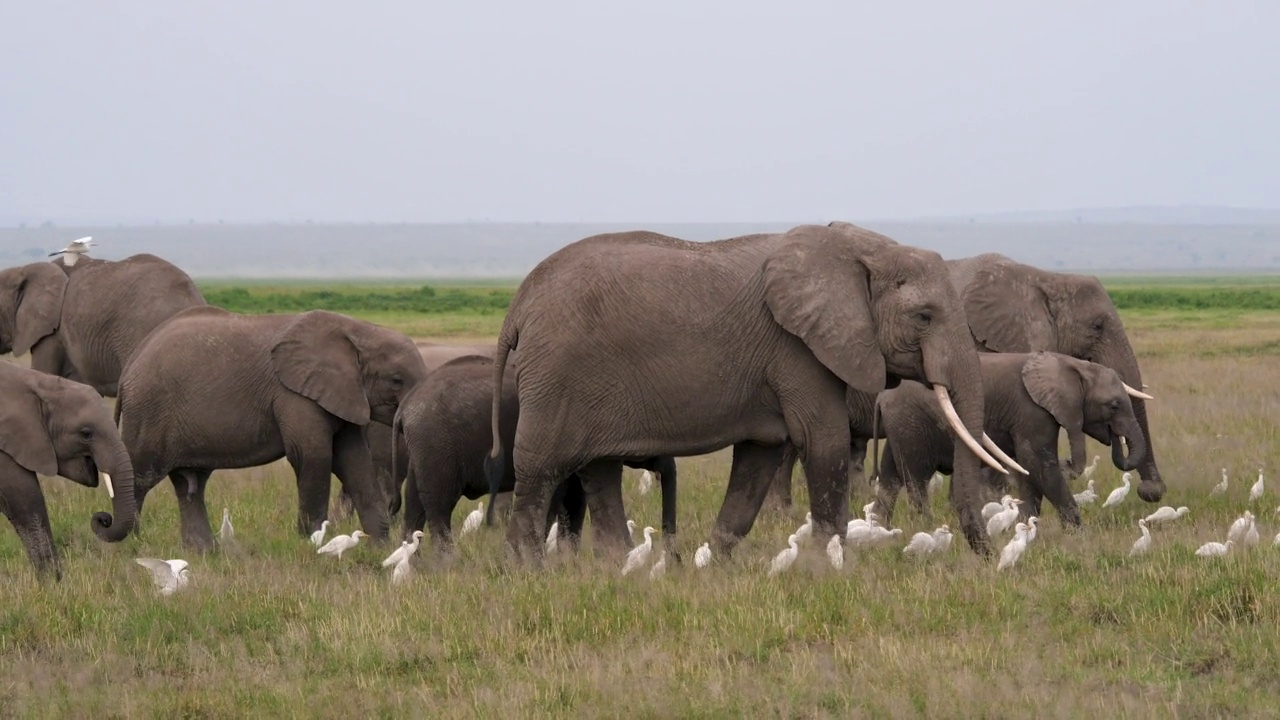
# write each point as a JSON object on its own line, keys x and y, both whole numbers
{"x": 875, "y": 440}
{"x": 494, "y": 467}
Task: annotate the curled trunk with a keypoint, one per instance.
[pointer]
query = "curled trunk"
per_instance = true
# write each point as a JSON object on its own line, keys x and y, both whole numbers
{"x": 112, "y": 458}
{"x": 1119, "y": 356}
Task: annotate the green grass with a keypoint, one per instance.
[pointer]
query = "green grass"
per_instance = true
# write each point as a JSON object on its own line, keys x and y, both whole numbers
{"x": 268, "y": 628}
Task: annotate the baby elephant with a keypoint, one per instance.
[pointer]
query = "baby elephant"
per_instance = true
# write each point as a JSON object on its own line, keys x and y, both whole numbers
{"x": 53, "y": 426}
{"x": 1028, "y": 397}
{"x": 445, "y": 424}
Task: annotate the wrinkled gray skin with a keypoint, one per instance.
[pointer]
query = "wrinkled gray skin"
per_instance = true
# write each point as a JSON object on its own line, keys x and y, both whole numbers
{"x": 862, "y": 428}
{"x": 83, "y": 322}
{"x": 210, "y": 389}
{"x": 1013, "y": 307}
{"x": 53, "y": 426}
{"x": 1029, "y": 396}
{"x": 635, "y": 345}
{"x": 445, "y": 423}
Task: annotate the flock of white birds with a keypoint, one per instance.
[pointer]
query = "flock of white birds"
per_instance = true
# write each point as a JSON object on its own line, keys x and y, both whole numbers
{"x": 864, "y": 532}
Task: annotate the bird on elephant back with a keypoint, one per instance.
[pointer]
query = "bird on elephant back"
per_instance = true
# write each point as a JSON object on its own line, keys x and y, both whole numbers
{"x": 639, "y": 345}
{"x": 84, "y": 320}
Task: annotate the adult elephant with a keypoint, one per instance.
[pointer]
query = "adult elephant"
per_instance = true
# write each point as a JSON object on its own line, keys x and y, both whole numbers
{"x": 637, "y": 345}
{"x": 1012, "y": 307}
{"x": 85, "y": 320}
{"x": 211, "y": 389}
{"x": 53, "y": 426}
{"x": 862, "y": 429}
{"x": 1029, "y": 397}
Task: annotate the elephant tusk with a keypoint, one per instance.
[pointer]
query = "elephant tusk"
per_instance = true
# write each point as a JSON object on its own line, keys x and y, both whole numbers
{"x": 944, "y": 399}
{"x": 111, "y": 491}
{"x": 1136, "y": 393}
{"x": 1001, "y": 455}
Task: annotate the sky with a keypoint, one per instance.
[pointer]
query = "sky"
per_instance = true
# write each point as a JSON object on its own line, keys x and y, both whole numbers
{"x": 661, "y": 111}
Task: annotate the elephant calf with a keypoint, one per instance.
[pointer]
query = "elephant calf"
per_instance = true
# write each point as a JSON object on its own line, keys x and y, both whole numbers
{"x": 444, "y": 423}
{"x": 1029, "y": 396}
{"x": 53, "y": 426}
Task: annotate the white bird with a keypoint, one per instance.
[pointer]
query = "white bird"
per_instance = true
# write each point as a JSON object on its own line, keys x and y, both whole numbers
{"x": 553, "y": 537}
{"x": 870, "y": 519}
{"x": 405, "y": 551}
{"x": 835, "y": 551}
{"x": 1240, "y": 527}
{"x": 659, "y": 567}
{"x": 942, "y": 539}
{"x": 805, "y": 530}
{"x": 923, "y": 543}
{"x": 226, "y": 532}
{"x": 401, "y": 572}
{"x": 1088, "y": 470}
{"x": 783, "y": 560}
{"x": 702, "y": 557}
{"x": 1166, "y": 514}
{"x": 1277, "y": 540}
{"x": 1118, "y": 495}
{"x": 472, "y": 523}
{"x": 646, "y": 482}
{"x": 341, "y": 543}
{"x": 935, "y": 483}
{"x": 1222, "y": 486}
{"x": 1086, "y": 496}
{"x": 1014, "y": 549}
{"x": 317, "y": 537}
{"x": 72, "y": 252}
{"x": 631, "y": 532}
{"x": 169, "y": 575}
{"x": 1251, "y": 535}
{"x": 640, "y": 553}
{"x": 870, "y": 535}
{"x": 992, "y": 508}
{"x": 1142, "y": 544}
{"x": 1032, "y": 528}
{"x": 1255, "y": 492}
{"x": 1004, "y": 519}
{"x": 1214, "y": 549}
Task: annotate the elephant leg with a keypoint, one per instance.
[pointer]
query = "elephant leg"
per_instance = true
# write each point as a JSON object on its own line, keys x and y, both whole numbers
{"x": 754, "y": 467}
{"x": 967, "y": 498}
{"x": 1050, "y": 481}
{"x": 575, "y": 510}
{"x": 602, "y": 484}
{"x": 354, "y": 468}
{"x": 919, "y": 468}
{"x": 22, "y": 501}
{"x": 666, "y": 469}
{"x": 415, "y": 516}
{"x": 779, "y": 497}
{"x": 537, "y": 475}
{"x": 826, "y": 472}
{"x": 312, "y": 468}
{"x": 501, "y": 504}
{"x": 193, "y": 516}
{"x": 343, "y": 505}
{"x": 888, "y": 486}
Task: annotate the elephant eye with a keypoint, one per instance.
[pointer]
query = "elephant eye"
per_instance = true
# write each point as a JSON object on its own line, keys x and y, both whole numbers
{"x": 1099, "y": 324}
{"x": 397, "y": 379}
{"x": 86, "y": 433}
{"x": 925, "y": 316}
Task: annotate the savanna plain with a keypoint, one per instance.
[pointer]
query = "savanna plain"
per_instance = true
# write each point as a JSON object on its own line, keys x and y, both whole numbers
{"x": 268, "y": 628}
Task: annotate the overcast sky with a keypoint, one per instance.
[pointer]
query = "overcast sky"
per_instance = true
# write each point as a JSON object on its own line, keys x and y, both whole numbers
{"x": 662, "y": 110}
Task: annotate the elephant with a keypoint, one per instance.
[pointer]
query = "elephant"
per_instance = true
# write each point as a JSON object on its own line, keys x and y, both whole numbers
{"x": 211, "y": 389}
{"x": 1029, "y": 396}
{"x": 444, "y": 423}
{"x": 84, "y": 321}
{"x": 862, "y": 429}
{"x": 54, "y": 426}
{"x": 1013, "y": 307}
{"x": 636, "y": 345}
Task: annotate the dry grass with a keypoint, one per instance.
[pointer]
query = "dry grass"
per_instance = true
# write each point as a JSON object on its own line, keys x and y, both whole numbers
{"x": 268, "y": 628}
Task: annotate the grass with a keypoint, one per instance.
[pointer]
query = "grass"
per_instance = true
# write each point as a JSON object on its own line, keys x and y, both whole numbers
{"x": 268, "y": 628}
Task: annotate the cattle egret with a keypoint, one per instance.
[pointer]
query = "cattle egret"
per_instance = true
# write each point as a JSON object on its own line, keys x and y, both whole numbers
{"x": 1215, "y": 549}
{"x": 659, "y": 567}
{"x": 992, "y": 508}
{"x": 1086, "y": 496}
{"x": 1255, "y": 492}
{"x": 1240, "y": 527}
{"x": 1004, "y": 519}
{"x": 405, "y": 551}
{"x": 226, "y": 532}
{"x": 553, "y": 537}
{"x": 1166, "y": 514}
{"x": 935, "y": 483}
{"x": 401, "y": 571}
{"x": 835, "y": 551}
{"x": 870, "y": 535}
{"x": 920, "y": 544}
{"x": 942, "y": 539}
{"x": 1014, "y": 549}
{"x": 472, "y": 523}
{"x": 1033, "y": 527}
{"x": 72, "y": 252}
{"x": 702, "y": 557}
{"x": 1142, "y": 544}
{"x": 169, "y": 575}
{"x": 341, "y": 543}
{"x": 646, "y": 482}
{"x": 1251, "y": 535}
{"x": 783, "y": 560}
{"x": 1222, "y": 486}
{"x": 805, "y": 530}
{"x": 1118, "y": 495}
{"x": 640, "y": 553}
{"x": 1088, "y": 470}
{"x": 317, "y": 537}
{"x": 631, "y": 531}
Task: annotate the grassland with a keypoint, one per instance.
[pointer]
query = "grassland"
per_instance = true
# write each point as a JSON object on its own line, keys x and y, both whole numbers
{"x": 270, "y": 629}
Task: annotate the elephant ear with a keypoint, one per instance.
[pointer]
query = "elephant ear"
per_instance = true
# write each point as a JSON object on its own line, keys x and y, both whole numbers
{"x": 1008, "y": 311}
{"x": 1056, "y": 385}
{"x": 817, "y": 288}
{"x": 24, "y": 433}
{"x": 315, "y": 357}
{"x": 39, "y": 305}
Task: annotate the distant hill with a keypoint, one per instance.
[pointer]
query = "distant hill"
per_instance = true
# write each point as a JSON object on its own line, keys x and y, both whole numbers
{"x": 1137, "y": 214}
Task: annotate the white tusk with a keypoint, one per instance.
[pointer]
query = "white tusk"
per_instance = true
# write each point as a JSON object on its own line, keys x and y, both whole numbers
{"x": 953, "y": 419}
{"x": 1137, "y": 393}
{"x": 1001, "y": 455}
{"x": 111, "y": 491}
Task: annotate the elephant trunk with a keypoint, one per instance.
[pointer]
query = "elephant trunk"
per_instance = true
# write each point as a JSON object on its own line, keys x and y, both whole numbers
{"x": 1119, "y": 356}
{"x": 111, "y": 456}
{"x": 1132, "y": 435}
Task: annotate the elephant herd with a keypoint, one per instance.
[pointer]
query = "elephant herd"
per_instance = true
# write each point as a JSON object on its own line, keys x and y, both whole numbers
{"x": 625, "y": 349}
